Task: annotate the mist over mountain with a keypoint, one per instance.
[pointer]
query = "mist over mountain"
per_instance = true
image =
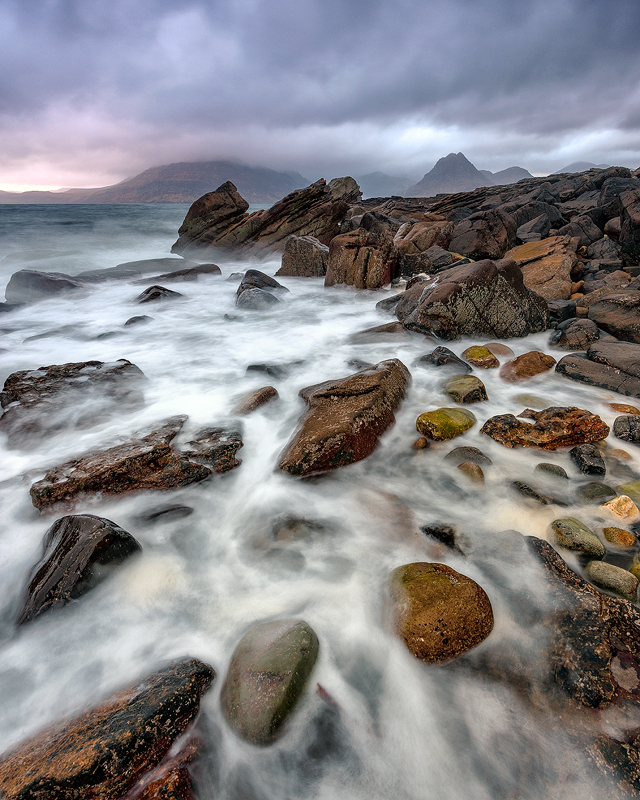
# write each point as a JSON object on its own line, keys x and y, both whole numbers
{"x": 579, "y": 166}
{"x": 379, "y": 184}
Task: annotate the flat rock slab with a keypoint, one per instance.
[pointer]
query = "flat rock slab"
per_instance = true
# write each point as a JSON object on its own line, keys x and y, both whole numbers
{"x": 41, "y": 401}
{"x": 141, "y": 464}
{"x": 30, "y": 285}
{"x": 267, "y": 675}
{"x": 557, "y": 426}
{"x": 614, "y": 366}
{"x": 79, "y": 552}
{"x": 546, "y": 265}
{"x": 345, "y": 418}
{"x": 105, "y": 751}
{"x": 618, "y": 313}
{"x": 252, "y": 400}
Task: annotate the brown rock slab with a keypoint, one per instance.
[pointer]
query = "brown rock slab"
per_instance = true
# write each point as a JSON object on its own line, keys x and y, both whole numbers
{"x": 252, "y": 400}
{"x": 465, "y": 389}
{"x": 546, "y": 265}
{"x": 618, "y": 313}
{"x": 345, "y": 418}
{"x": 438, "y": 612}
{"x": 527, "y": 366}
{"x": 623, "y": 408}
{"x": 557, "y": 426}
{"x": 105, "y": 751}
{"x": 610, "y": 365}
{"x": 304, "y": 257}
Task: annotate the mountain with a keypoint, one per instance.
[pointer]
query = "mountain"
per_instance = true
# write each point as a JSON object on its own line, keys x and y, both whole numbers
{"x": 579, "y": 166}
{"x": 453, "y": 173}
{"x": 510, "y": 175}
{"x": 183, "y": 182}
{"x": 379, "y": 184}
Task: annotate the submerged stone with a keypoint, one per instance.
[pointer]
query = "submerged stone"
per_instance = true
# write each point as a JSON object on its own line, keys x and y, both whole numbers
{"x": 613, "y": 579}
{"x": 465, "y": 389}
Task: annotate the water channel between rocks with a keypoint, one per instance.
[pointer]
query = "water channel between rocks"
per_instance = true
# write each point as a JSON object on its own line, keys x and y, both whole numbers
{"x": 404, "y": 729}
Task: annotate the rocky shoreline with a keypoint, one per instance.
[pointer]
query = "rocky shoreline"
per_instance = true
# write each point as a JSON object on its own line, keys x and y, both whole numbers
{"x": 560, "y": 254}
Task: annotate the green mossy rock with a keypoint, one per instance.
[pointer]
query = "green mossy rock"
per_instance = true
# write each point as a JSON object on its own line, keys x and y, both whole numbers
{"x": 438, "y": 612}
{"x": 267, "y": 675}
{"x": 445, "y": 423}
{"x": 614, "y": 579}
{"x": 479, "y": 356}
{"x": 595, "y": 492}
{"x": 465, "y": 389}
{"x": 573, "y": 535}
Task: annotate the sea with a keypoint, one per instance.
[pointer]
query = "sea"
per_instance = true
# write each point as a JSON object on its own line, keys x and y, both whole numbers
{"x": 375, "y": 723}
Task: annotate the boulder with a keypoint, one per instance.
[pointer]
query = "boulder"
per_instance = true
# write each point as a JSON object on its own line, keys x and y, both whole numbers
{"x": 618, "y": 313}
{"x": 460, "y": 455}
{"x": 629, "y": 239}
{"x": 133, "y": 269}
{"x": 389, "y": 332}
{"x": 267, "y": 676}
{"x": 557, "y": 426}
{"x": 183, "y": 275}
{"x": 137, "y": 320}
{"x": 534, "y": 230}
{"x": 420, "y": 237}
{"x": 575, "y": 334}
{"x": 572, "y": 534}
{"x": 480, "y": 357}
{"x": 345, "y": 418}
{"x": 588, "y": 460}
{"x": 614, "y": 366}
{"x": 155, "y": 294}
{"x": 365, "y": 258}
{"x": 304, "y": 257}
{"x": 107, "y": 750}
{"x": 526, "y": 366}
{"x": 29, "y": 285}
{"x": 583, "y": 228}
{"x": 79, "y": 552}
{"x": 439, "y": 257}
{"x": 483, "y": 235}
{"x": 560, "y": 311}
{"x": 546, "y": 265}
{"x": 41, "y": 401}
{"x": 254, "y": 279}
{"x": 481, "y": 299}
{"x": 255, "y": 299}
{"x": 465, "y": 389}
{"x": 438, "y": 612}
{"x": 627, "y": 428}
{"x": 215, "y": 447}
{"x": 604, "y": 249}
{"x": 612, "y": 579}
{"x": 443, "y": 357}
{"x": 445, "y": 423}
{"x": 620, "y": 537}
{"x": 251, "y": 400}
{"x": 146, "y": 463}
{"x": 219, "y": 219}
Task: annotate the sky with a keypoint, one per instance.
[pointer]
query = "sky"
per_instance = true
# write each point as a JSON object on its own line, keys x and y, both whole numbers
{"x": 95, "y": 91}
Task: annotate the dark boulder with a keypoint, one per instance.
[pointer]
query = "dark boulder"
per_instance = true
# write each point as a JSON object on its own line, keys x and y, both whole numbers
{"x": 575, "y": 334}
{"x": 485, "y": 234}
{"x": 255, "y": 299}
{"x": 582, "y": 228}
{"x": 614, "y": 366}
{"x": 79, "y": 552}
{"x": 156, "y": 294}
{"x": 107, "y": 750}
{"x": 483, "y": 299}
{"x": 184, "y": 275}
{"x": 137, "y": 320}
{"x": 304, "y": 257}
{"x": 627, "y": 428}
{"x": 588, "y": 460}
{"x": 560, "y": 311}
{"x": 604, "y": 249}
{"x": 29, "y": 285}
{"x": 534, "y": 230}
{"x": 133, "y": 269}
{"x": 254, "y": 279}
{"x": 443, "y": 357}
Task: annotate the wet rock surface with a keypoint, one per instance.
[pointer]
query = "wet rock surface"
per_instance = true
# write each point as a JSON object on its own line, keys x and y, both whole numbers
{"x": 345, "y": 418}
{"x": 445, "y": 423}
{"x": 627, "y": 428}
{"x": 610, "y": 365}
{"x": 588, "y": 460}
{"x": 480, "y": 357}
{"x": 572, "y": 534}
{"x": 215, "y": 447}
{"x": 526, "y": 366}
{"x": 465, "y": 389}
{"x": 79, "y": 553}
{"x": 30, "y": 286}
{"x": 253, "y": 400}
{"x": 546, "y": 265}
{"x": 559, "y": 426}
{"x": 267, "y": 675}
{"x": 443, "y": 357}
{"x": 304, "y": 257}
{"x": 155, "y": 294}
{"x": 103, "y": 752}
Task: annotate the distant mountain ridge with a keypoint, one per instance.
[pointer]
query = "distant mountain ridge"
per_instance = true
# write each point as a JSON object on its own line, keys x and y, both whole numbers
{"x": 455, "y": 173}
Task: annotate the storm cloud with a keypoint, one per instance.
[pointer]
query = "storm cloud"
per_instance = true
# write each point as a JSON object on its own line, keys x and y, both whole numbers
{"x": 93, "y": 91}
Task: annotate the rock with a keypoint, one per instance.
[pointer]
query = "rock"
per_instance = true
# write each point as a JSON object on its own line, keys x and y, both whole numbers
{"x": 365, "y": 258}
{"x": 439, "y": 257}
{"x": 155, "y": 294}
{"x": 445, "y": 534}
{"x": 391, "y": 331}
{"x": 273, "y": 370}
{"x": 614, "y": 366}
{"x": 529, "y": 492}
{"x": 552, "y": 469}
{"x": 499, "y": 349}
{"x": 613, "y": 579}
{"x": 472, "y": 470}
{"x": 627, "y": 428}
{"x": 583, "y": 228}
{"x": 618, "y": 313}
{"x": 604, "y": 249}
{"x": 534, "y": 230}
{"x": 576, "y": 334}
{"x": 623, "y": 408}
{"x": 421, "y": 443}
{"x": 588, "y": 460}
{"x": 622, "y": 507}
{"x": 289, "y": 527}
{"x": 267, "y": 675}
{"x": 620, "y": 537}
{"x": 631, "y": 489}
{"x": 110, "y": 748}
{"x": 629, "y": 238}
{"x": 465, "y": 389}
{"x": 133, "y": 269}
{"x": 219, "y": 219}
{"x": 460, "y": 454}
{"x": 304, "y": 257}
{"x": 428, "y": 237}
{"x": 183, "y": 275}
{"x": 438, "y": 612}
{"x": 560, "y": 311}
{"x": 557, "y": 426}
{"x": 595, "y": 492}
{"x": 526, "y": 366}
{"x": 40, "y": 402}
{"x": 480, "y": 357}
{"x": 252, "y": 400}
{"x": 215, "y": 447}
{"x": 176, "y": 784}
{"x": 546, "y": 265}
{"x": 79, "y": 552}
{"x": 254, "y": 279}
{"x": 345, "y": 418}
{"x": 443, "y": 357}
{"x": 144, "y": 463}
{"x": 482, "y": 299}
{"x": 445, "y": 423}
{"x": 571, "y": 534}
{"x": 484, "y": 234}
{"x": 166, "y": 513}
{"x": 137, "y": 320}
{"x": 29, "y": 286}
{"x": 613, "y": 228}
{"x": 256, "y": 299}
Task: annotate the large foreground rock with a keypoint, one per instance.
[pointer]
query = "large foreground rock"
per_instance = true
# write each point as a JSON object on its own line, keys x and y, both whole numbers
{"x": 79, "y": 553}
{"x": 345, "y": 418}
{"x": 140, "y": 464}
{"x": 483, "y": 299}
{"x": 304, "y": 257}
{"x": 102, "y": 753}
{"x": 485, "y": 234}
{"x": 38, "y": 402}
{"x": 365, "y": 258}
{"x": 219, "y": 219}
{"x": 438, "y": 612}
{"x": 29, "y": 285}
{"x": 267, "y": 675}
{"x": 546, "y": 265}
{"x": 614, "y": 366}
{"x": 557, "y": 426}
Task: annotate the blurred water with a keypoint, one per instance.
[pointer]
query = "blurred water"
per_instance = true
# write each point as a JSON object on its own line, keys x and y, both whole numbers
{"x": 404, "y": 730}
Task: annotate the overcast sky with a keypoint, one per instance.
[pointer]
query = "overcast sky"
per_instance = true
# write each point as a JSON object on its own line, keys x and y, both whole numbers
{"x": 93, "y": 91}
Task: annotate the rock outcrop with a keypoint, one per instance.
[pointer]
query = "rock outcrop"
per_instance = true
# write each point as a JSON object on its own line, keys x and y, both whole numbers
{"x": 365, "y": 258}
{"x": 546, "y": 265}
{"x": 485, "y": 234}
{"x": 614, "y": 366}
{"x": 304, "y": 257}
{"x": 618, "y": 313}
{"x": 557, "y": 426}
{"x": 345, "y": 418}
